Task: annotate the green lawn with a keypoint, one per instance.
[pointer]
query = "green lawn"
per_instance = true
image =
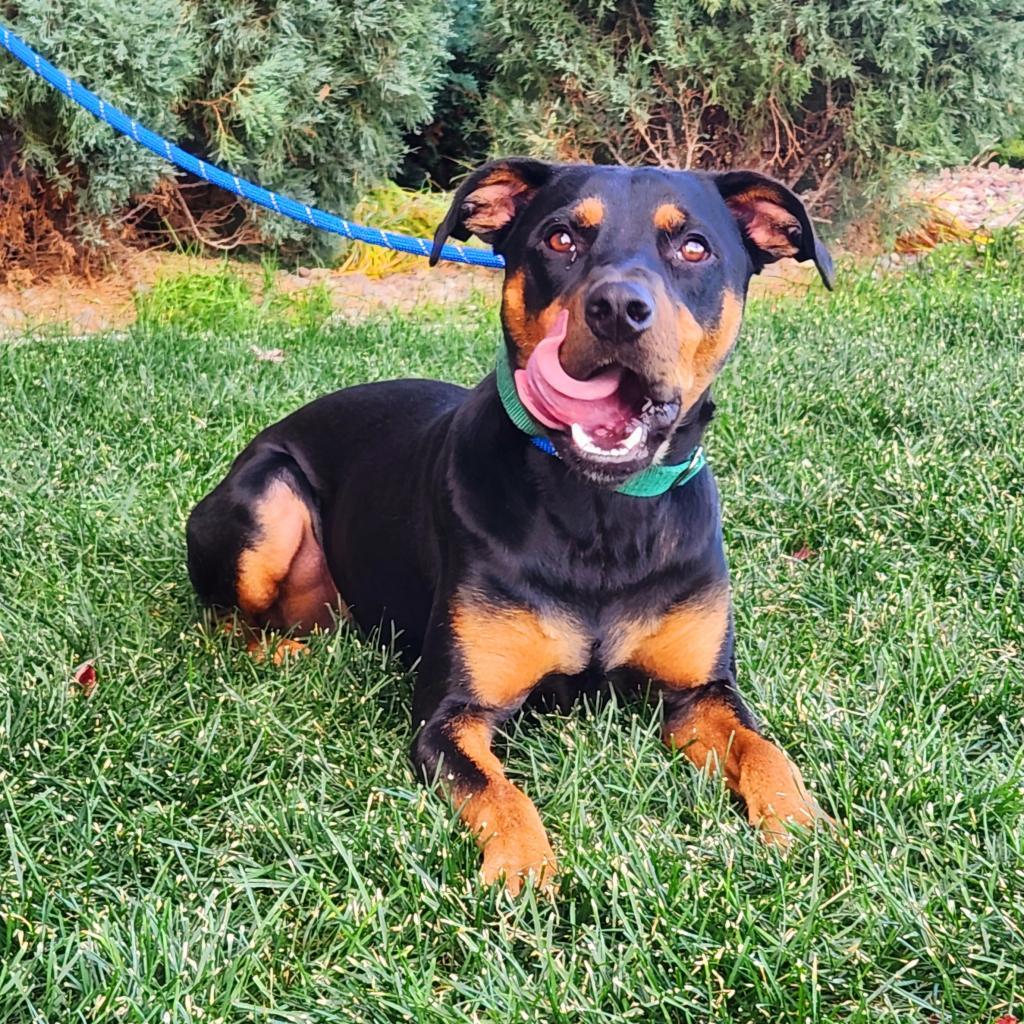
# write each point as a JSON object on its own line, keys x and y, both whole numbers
{"x": 210, "y": 839}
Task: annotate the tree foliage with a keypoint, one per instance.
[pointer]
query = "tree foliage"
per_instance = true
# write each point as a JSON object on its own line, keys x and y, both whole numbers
{"x": 815, "y": 91}
{"x": 312, "y": 97}
{"x": 323, "y": 99}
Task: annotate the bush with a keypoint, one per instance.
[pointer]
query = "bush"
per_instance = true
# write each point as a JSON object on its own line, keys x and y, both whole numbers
{"x": 816, "y": 92}
{"x": 456, "y": 141}
{"x": 392, "y": 208}
{"x": 1011, "y": 152}
{"x": 310, "y": 97}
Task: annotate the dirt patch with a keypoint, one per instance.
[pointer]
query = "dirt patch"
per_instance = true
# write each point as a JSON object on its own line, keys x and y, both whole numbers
{"x": 970, "y": 198}
{"x": 107, "y": 302}
{"x": 102, "y": 302}
{"x": 356, "y": 296}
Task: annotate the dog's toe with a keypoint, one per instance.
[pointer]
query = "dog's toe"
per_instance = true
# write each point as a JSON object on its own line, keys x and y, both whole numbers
{"x": 278, "y": 652}
{"x": 786, "y": 815}
{"x": 516, "y": 859}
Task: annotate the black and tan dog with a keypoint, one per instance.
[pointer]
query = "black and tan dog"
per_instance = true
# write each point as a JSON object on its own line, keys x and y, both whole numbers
{"x": 513, "y": 565}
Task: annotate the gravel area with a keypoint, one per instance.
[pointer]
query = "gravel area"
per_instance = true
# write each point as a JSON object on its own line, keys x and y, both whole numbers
{"x": 981, "y": 197}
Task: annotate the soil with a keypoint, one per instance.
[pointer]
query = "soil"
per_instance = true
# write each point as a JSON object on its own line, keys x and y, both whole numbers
{"x": 107, "y": 302}
{"x": 976, "y": 197}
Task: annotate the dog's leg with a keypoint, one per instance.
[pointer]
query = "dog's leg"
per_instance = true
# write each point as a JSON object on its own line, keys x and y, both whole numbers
{"x": 479, "y": 665}
{"x": 688, "y": 653}
{"x": 253, "y": 543}
{"x": 456, "y": 749}
{"x": 713, "y": 727}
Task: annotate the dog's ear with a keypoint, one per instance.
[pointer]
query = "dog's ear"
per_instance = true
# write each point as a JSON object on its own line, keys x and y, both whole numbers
{"x": 773, "y": 221}
{"x": 489, "y": 200}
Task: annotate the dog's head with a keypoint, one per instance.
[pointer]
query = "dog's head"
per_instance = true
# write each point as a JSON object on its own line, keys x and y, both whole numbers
{"x": 634, "y": 279}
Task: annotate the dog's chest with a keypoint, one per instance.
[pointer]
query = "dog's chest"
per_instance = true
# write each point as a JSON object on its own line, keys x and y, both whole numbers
{"x": 592, "y": 585}
{"x": 648, "y": 627}
{"x": 598, "y": 555}
{"x": 677, "y": 641}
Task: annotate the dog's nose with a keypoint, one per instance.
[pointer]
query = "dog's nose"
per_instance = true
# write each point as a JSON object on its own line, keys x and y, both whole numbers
{"x": 619, "y": 310}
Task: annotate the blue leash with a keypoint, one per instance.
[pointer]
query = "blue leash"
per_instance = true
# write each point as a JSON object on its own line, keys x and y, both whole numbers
{"x": 283, "y": 205}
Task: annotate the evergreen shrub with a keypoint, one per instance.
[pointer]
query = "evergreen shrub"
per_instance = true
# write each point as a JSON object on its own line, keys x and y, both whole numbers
{"x": 817, "y": 92}
{"x": 309, "y": 97}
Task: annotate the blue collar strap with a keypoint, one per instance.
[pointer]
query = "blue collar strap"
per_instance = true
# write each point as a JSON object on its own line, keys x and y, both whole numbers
{"x": 648, "y": 483}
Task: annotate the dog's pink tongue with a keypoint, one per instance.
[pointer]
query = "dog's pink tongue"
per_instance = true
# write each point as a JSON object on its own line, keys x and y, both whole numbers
{"x": 558, "y": 400}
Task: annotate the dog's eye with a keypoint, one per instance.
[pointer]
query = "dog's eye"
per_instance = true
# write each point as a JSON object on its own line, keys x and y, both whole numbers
{"x": 693, "y": 250}
{"x": 561, "y": 241}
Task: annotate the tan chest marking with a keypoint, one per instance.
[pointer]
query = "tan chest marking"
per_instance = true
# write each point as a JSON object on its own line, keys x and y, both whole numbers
{"x": 682, "y": 647}
{"x": 507, "y": 651}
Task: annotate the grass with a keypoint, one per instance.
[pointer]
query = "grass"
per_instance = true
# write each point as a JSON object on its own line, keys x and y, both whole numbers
{"x": 205, "y": 838}
{"x": 224, "y": 301}
{"x": 393, "y": 208}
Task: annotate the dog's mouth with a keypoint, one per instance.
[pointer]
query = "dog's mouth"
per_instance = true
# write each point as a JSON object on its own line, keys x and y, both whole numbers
{"x": 609, "y": 425}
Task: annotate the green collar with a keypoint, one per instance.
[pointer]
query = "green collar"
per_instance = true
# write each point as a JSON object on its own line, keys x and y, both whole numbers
{"x": 648, "y": 483}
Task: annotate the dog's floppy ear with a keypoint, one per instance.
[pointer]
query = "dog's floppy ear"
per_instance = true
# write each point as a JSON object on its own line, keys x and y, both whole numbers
{"x": 489, "y": 200}
{"x": 773, "y": 221}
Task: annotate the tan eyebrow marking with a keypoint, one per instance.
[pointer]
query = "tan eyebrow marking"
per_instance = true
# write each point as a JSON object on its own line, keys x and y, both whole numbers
{"x": 589, "y": 212}
{"x": 668, "y": 217}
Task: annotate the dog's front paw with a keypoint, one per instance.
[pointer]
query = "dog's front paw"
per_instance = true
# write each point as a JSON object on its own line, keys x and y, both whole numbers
{"x": 517, "y": 857}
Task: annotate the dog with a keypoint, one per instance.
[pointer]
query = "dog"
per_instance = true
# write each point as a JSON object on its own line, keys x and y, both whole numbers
{"x": 553, "y": 528}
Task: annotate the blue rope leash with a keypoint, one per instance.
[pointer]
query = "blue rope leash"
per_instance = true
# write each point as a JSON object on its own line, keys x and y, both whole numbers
{"x": 283, "y": 205}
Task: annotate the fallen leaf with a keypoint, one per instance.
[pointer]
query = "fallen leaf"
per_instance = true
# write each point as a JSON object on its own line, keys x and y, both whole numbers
{"x": 85, "y": 677}
{"x": 805, "y": 554}
{"x": 325, "y": 91}
{"x": 1007, "y": 1018}
{"x": 267, "y": 355}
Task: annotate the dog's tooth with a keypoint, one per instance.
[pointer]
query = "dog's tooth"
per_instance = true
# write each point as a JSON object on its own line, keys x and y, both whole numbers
{"x": 634, "y": 438}
{"x": 584, "y": 441}
{"x": 586, "y": 444}
{"x": 580, "y": 436}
